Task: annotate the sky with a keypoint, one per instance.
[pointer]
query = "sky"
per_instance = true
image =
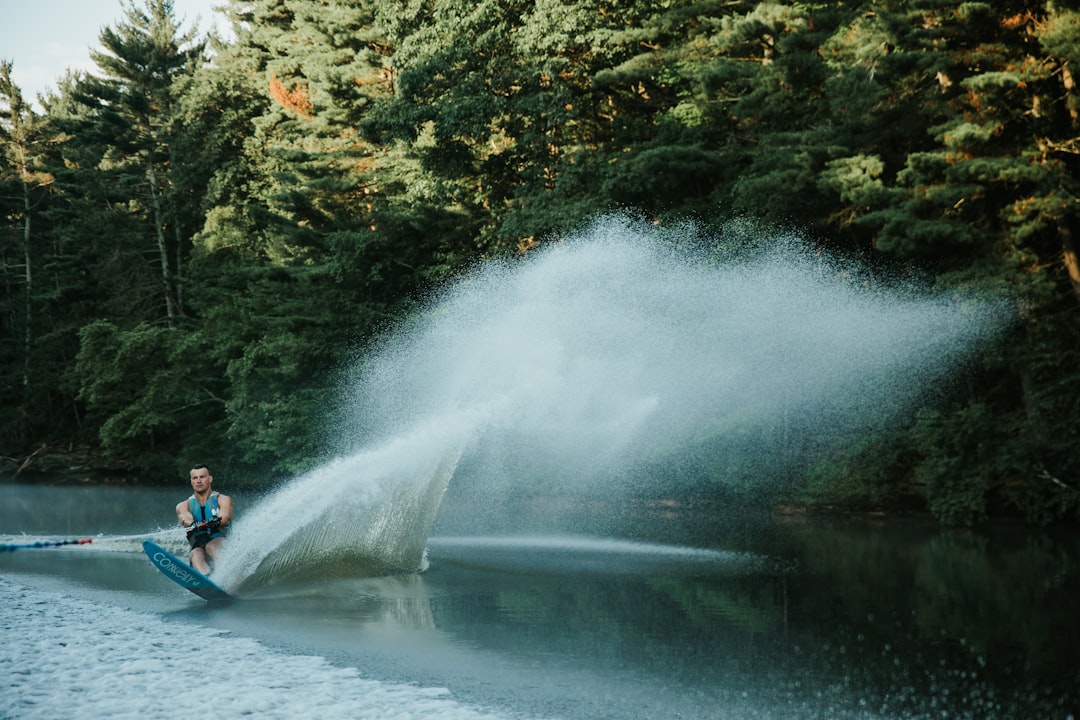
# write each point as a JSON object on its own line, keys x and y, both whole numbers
{"x": 43, "y": 38}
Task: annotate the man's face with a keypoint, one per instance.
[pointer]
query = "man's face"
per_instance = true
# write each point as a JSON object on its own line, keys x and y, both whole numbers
{"x": 200, "y": 480}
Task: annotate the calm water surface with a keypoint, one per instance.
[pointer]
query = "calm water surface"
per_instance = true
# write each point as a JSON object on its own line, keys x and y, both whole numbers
{"x": 795, "y": 618}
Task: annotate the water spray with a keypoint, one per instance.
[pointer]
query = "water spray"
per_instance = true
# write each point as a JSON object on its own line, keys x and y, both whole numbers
{"x": 599, "y": 368}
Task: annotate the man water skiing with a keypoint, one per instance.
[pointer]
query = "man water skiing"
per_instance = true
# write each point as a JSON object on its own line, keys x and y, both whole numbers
{"x": 204, "y": 516}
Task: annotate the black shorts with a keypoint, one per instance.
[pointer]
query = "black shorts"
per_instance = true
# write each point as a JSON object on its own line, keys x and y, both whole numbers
{"x": 200, "y": 538}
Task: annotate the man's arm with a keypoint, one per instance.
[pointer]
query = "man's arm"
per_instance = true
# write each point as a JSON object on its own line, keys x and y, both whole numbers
{"x": 183, "y": 514}
{"x": 224, "y": 509}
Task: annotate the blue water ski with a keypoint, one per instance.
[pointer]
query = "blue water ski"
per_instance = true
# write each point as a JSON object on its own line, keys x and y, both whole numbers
{"x": 183, "y": 574}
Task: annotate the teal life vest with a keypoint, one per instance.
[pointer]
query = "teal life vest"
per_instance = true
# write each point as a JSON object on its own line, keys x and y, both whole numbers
{"x": 199, "y": 511}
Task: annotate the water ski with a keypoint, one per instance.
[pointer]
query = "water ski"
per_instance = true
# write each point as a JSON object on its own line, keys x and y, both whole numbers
{"x": 183, "y": 574}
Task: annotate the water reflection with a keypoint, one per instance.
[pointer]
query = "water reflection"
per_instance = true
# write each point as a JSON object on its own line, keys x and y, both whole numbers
{"x": 897, "y": 617}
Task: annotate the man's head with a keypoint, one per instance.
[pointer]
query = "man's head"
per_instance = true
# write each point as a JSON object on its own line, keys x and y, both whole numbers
{"x": 201, "y": 479}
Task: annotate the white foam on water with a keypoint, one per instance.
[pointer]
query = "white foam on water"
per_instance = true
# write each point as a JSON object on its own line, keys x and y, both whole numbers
{"x": 584, "y": 545}
{"x": 64, "y": 657}
{"x": 596, "y": 555}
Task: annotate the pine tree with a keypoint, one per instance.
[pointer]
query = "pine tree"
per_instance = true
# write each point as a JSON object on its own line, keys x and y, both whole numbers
{"x": 131, "y": 113}
{"x": 26, "y": 184}
{"x": 120, "y": 206}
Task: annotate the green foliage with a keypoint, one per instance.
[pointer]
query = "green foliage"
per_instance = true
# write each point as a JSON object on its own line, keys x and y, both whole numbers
{"x": 870, "y": 475}
{"x": 144, "y": 386}
{"x": 129, "y": 112}
{"x": 957, "y": 464}
{"x": 856, "y": 179}
{"x": 23, "y": 184}
{"x": 210, "y": 239}
{"x": 273, "y": 409}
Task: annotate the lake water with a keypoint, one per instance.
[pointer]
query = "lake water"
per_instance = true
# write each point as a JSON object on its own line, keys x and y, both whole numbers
{"x": 693, "y": 617}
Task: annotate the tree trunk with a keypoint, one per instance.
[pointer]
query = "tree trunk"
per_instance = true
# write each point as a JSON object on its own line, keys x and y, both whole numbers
{"x": 179, "y": 269}
{"x": 163, "y": 251}
{"x": 1070, "y": 254}
{"x": 28, "y": 335}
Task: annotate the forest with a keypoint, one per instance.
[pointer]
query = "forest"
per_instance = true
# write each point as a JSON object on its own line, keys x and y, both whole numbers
{"x": 198, "y": 236}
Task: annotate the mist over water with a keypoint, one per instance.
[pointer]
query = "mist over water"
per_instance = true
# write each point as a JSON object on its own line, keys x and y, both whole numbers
{"x": 585, "y": 367}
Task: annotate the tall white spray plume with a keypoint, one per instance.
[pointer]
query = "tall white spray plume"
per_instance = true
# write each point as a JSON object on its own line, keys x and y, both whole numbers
{"x": 585, "y": 369}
